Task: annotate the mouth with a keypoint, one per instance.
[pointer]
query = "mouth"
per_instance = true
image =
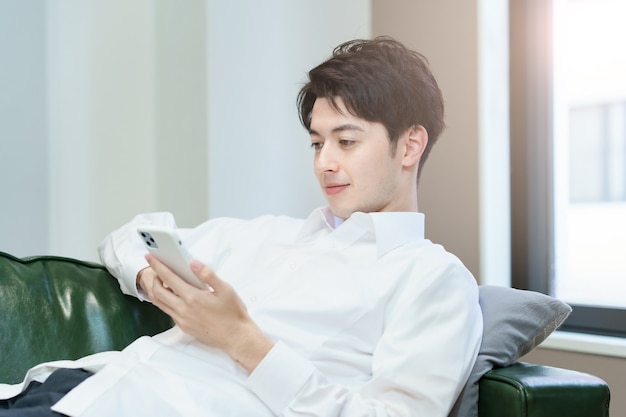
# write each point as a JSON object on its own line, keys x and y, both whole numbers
{"x": 334, "y": 189}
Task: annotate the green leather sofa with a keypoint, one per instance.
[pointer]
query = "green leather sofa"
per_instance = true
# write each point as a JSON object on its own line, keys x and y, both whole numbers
{"x": 59, "y": 308}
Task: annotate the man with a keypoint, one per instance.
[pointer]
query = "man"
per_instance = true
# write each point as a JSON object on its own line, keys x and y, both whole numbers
{"x": 350, "y": 312}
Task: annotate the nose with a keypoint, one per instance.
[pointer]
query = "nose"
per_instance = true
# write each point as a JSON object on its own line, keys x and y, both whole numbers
{"x": 326, "y": 159}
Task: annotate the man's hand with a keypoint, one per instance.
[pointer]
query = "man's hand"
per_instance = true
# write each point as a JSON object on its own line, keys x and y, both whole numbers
{"x": 218, "y": 317}
{"x": 145, "y": 278}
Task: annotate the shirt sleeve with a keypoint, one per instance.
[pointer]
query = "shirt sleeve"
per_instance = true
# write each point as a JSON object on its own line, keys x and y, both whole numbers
{"x": 419, "y": 366}
{"x": 123, "y": 254}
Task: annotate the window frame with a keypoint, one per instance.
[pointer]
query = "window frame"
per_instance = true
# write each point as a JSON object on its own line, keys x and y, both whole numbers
{"x": 532, "y": 188}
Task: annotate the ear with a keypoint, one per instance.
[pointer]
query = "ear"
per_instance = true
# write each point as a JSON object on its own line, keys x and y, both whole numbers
{"x": 416, "y": 139}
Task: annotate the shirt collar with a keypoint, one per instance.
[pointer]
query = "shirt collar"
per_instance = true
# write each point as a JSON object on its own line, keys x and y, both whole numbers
{"x": 319, "y": 221}
{"x": 388, "y": 230}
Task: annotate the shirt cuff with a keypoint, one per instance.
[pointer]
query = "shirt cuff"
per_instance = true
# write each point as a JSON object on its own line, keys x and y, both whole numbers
{"x": 279, "y": 377}
{"x": 131, "y": 270}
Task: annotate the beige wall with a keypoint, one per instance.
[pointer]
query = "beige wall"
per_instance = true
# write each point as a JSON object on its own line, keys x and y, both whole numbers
{"x": 447, "y": 33}
{"x": 449, "y": 194}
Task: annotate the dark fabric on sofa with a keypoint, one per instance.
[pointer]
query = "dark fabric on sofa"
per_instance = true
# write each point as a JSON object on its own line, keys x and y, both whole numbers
{"x": 38, "y": 397}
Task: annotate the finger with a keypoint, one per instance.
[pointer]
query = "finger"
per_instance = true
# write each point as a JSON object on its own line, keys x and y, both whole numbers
{"x": 206, "y": 274}
{"x": 168, "y": 278}
{"x": 163, "y": 298}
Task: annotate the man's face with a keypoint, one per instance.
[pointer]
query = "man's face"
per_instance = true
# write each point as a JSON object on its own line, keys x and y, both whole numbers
{"x": 353, "y": 162}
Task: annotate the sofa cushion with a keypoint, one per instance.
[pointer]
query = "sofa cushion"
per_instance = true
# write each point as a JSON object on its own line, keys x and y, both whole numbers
{"x": 57, "y": 308}
{"x": 514, "y": 322}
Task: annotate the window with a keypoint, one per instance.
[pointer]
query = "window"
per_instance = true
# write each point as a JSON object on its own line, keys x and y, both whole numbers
{"x": 597, "y": 141}
{"x": 568, "y": 157}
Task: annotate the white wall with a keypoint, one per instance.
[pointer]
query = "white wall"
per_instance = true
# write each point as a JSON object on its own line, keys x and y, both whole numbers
{"x": 149, "y": 105}
{"x": 101, "y": 132}
{"x": 259, "y": 53}
{"x": 23, "y": 145}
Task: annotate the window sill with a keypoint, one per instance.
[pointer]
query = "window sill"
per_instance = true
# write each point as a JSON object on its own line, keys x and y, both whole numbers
{"x": 586, "y": 343}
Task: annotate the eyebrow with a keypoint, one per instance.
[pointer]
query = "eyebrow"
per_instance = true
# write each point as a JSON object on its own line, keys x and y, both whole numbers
{"x": 340, "y": 128}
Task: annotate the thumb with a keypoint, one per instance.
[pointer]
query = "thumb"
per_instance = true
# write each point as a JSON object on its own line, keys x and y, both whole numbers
{"x": 206, "y": 274}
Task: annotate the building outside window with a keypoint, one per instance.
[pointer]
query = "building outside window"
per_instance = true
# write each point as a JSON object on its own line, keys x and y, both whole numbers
{"x": 590, "y": 151}
{"x": 568, "y": 112}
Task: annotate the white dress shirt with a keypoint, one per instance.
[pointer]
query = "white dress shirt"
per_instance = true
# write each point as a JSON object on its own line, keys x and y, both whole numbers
{"x": 368, "y": 319}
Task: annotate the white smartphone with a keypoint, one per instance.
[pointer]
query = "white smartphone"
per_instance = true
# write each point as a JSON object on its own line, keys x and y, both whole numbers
{"x": 165, "y": 244}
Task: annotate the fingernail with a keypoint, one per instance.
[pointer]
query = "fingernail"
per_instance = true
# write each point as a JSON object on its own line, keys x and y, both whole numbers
{"x": 195, "y": 264}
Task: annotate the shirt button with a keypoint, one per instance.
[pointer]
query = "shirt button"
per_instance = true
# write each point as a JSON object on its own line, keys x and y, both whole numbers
{"x": 253, "y": 299}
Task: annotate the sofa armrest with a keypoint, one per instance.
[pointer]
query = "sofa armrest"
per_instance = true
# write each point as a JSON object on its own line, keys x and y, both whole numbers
{"x": 528, "y": 390}
{"x": 60, "y": 308}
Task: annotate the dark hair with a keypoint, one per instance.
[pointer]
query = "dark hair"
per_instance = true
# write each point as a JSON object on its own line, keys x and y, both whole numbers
{"x": 379, "y": 80}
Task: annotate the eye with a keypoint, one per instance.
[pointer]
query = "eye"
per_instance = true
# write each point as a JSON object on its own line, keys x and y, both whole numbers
{"x": 316, "y": 146}
{"x": 346, "y": 142}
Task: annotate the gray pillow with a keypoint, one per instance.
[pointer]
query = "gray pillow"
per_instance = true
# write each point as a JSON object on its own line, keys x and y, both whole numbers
{"x": 514, "y": 322}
